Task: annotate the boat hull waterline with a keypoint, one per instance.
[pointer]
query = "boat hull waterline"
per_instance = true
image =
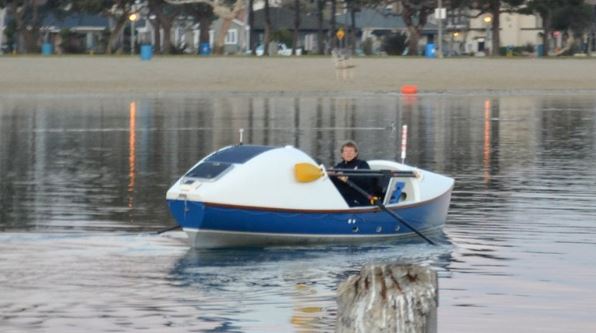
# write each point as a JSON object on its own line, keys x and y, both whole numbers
{"x": 211, "y": 226}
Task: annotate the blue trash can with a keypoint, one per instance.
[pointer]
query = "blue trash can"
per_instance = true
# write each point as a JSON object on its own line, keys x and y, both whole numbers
{"x": 47, "y": 48}
{"x": 146, "y": 52}
{"x": 540, "y": 50}
{"x": 430, "y": 51}
{"x": 204, "y": 49}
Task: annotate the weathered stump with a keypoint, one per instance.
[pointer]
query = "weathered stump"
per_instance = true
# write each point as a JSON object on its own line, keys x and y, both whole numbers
{"x": 388, "y": 298}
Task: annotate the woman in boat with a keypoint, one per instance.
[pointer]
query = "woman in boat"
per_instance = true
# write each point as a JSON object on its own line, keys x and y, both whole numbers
{"x": 350, "y": 160}
{"x": 349, "y": 156}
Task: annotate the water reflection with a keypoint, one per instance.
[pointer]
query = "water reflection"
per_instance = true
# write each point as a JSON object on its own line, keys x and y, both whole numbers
{"x": 277, "y": 280}
{"x": 522, "y": 214}
{"x": 132, "y": 152}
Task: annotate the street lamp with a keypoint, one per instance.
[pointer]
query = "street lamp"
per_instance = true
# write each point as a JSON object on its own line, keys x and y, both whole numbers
{"x": 132, "y": 18}
{"x": 487, "y": 20}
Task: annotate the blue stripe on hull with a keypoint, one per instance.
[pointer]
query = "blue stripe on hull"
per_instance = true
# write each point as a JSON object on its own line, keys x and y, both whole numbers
{"x": 201, "y": 216}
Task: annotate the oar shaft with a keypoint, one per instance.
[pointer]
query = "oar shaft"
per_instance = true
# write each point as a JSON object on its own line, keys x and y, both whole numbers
{"x": 400, "y": 219}
{"x": 369, "y": 173}
{"x": 168, "y": 229}
{"x": 393, "y": 214}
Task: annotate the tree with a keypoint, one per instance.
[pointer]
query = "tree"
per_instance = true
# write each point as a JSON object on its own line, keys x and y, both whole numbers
{"x": 333, "y": 24}
{"x": 295, "y": 34}
{"x": 251, "y": 24}
{"x": 353, "y": 7}
{"x": 267, "y": 35}
{"x": 415, "y": 15}
{"x": 165, "y": 14}
{"x": 28, "y": 16}
{"x": 226, "y": 10}
{"x": 320, "y": 7}
{"x": 547, "y": 9}
{"x": 203, "y": 13}
{"x": 494, "y": 8}
{"x": 120, "y": 11}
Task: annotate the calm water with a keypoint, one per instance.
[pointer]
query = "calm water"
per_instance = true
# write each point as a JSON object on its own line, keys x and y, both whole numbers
{"x": 83, "y": 181}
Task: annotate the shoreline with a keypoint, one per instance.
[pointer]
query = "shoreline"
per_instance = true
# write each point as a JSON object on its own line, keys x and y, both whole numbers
{"x": 98, "y": 75}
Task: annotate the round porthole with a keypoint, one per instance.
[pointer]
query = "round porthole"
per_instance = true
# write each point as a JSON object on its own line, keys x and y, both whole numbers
{"x": 379, "y": 229}
{"x": 397, "y": 227}
{"x": 354, "y": 229}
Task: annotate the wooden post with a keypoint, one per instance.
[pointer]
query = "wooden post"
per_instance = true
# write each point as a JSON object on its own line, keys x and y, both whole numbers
{"x": 388, "y": 298}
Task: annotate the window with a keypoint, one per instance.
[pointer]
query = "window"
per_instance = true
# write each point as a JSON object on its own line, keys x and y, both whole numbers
{"x": 232, "y": 37}
{"x": 208, "y": 170}
{"x": 238, "y": 154}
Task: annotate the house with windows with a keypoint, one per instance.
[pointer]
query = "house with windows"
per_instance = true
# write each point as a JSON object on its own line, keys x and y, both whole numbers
{"x": 186, "y": 36}
{"x": 76, "y": 33}
{"x": 516, "y": 30}
{"x": 374, "y": 24}
{"x": 282, "y": 26}
{"x": 237, "y": 36}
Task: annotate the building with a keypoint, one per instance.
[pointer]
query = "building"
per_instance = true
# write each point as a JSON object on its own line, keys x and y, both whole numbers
{"x": 75, "y": 33}
{"x": 2, "y": 27}
{"x": 282, "y": 21}
{"x": 375, "y": 24}
{"x": 516, "y": 30}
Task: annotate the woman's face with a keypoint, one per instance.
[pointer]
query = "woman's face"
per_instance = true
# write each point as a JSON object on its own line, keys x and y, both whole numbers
{"x": 348, "y": 153}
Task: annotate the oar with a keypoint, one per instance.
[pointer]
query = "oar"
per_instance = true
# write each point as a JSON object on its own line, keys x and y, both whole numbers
{"x": 308, "y": 172}
{"x": 168, "y": 229}
{"x": 393, "y": 214}
{"x": 370, "y": 173}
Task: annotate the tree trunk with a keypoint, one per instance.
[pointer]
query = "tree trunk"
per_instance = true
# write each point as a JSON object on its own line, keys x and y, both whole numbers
{"x": 413, "y": 38}
{"x": 496, "y": 35}
{"x": 333, "y": 24}
{"x": 155, "y": 8}
{"x": 26, "y": 38}
{"x": 546, "y": 18}
{"x": 219, "y": 46}
{"x": 353, "y": 27}
{"x": 295, "y": 36}
{"x": 407, "y": 14}
{"x": 251, "y": 23}
{"x": 115, "y": 34}
{"x": 32, "y": 33}
{"x": 267, "y": 37}
{"x": 166, "y": 41}
{"x": 320, "y": 48}
{"x": 157, "y": 28}
{"x": 205, "y": 24}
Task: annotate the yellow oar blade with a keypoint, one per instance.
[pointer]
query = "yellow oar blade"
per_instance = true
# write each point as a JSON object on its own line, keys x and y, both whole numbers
{"x": 307, "y": 172}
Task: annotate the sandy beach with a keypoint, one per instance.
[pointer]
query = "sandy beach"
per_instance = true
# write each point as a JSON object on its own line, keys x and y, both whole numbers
{"x": 194, "y": 74}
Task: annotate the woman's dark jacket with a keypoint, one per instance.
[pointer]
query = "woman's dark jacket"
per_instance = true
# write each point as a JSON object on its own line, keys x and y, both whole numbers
{"x": 352, "y": 196}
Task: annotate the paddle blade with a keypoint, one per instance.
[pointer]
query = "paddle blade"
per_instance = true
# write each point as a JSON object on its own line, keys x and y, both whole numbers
{"x": 307, "y": 172}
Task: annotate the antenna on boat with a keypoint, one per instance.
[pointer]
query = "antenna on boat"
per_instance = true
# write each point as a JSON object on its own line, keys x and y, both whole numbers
{"x": 404, "y": 142}
{"x": 241, "y": 135}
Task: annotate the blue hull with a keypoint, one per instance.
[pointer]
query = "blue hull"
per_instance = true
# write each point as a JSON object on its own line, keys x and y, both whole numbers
{"x": 215, "y": 225}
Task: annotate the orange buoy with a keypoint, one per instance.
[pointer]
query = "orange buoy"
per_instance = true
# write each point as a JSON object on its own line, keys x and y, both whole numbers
{"x": 408, "y": 89}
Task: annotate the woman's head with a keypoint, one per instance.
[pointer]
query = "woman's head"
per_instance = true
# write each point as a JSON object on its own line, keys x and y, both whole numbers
{"x": 349, "y": 151}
